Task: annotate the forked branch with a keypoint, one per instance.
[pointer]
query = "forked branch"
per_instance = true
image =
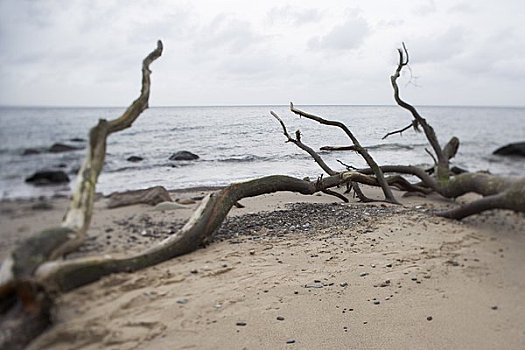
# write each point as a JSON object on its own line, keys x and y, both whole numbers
{"x": 389, "y": 196}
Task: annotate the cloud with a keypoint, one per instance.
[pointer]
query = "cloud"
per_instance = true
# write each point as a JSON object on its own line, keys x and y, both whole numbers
{"x": 344, "y": 37}
{"x": 440, "y": 47}
{"x": 462, "y": 8}
{"x": 294, "y": 15}
{"x": 231, "y": 33}
{"x": 496, "y": 56}
{"x": 427, "y": 8}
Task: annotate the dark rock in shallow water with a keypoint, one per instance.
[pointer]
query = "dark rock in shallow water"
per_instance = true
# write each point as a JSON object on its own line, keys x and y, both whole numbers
{"x": 77, "y": 139}
{"x": 48, "y": 177}
{"x": 151, "y": 196}
{"x": 512, "y": 149}
{"x": 30, "y": 151}
{"x": 135, "y": 159}
{"x": 184, "y": 155}
{"x": 60, "y": 147}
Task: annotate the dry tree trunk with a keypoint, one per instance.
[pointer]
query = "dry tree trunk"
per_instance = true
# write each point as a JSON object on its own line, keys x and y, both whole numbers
{"x": 198, "y": 230}
{"x": 23, "y": 300}
{"x": 498, "y": 192}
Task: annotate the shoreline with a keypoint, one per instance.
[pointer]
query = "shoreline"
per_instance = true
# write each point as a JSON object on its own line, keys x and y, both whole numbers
{"x": 290, "y": 267}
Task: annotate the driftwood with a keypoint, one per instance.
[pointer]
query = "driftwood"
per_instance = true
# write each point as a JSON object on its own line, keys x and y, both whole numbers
{"x": 152, "y": 196}
{"x": 389, "y": 196}
{"x": 338, "y": 148}
{"x": 23, "y": 299}
{"x": 498, "y": 192}
{"x": 198, "y": 231}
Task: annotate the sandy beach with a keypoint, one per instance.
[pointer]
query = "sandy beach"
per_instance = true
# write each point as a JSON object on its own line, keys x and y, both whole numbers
{"x": 290, "y": 271}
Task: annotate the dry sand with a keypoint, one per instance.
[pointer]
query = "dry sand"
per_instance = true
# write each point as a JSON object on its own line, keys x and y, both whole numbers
{"x": 367, "y": 276}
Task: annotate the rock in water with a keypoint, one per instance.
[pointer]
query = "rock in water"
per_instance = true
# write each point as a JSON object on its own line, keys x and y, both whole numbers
{"x": 512, "y": 149}
{"x": 135, "y": 159}
{"x": 30, "y": 151}
{"x": 60, "y": 147}
{"x": 151, "y": 196}
{"x": 184, "y": 155}
{"x": 48, "y": 177}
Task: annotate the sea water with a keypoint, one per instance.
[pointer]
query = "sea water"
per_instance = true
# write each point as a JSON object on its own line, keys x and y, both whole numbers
{"x": 242, "y": 142}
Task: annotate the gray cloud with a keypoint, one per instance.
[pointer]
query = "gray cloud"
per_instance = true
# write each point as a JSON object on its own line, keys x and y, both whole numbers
{"x": 428, "y": 7}
{"x": 224, "y": 31}
{"x": 294, "y": 15}
{"x": 346, "y": 36}
{"x": 439, "y": 47}
{"x": 462, "y": 8}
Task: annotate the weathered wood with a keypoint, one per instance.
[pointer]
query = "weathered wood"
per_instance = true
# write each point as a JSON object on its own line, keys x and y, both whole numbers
{"x": 499, "y": 192}
{"x": 198, "y": 230}
{"x": 389, "y": 196}
{"x": 152, "y": 196}
{"x": 25, "y": 302}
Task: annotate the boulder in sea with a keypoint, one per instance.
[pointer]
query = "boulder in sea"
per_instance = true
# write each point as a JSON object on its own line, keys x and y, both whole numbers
{"x": 512, "y": 149}
{"x": 151, "y": 196}
{"x": 184, "y": 155}
{"x": 60, "y": 147}
{"x": 30, "y": 151}
{"x": 135, "y": 159}
{"x": 48, "y": 177}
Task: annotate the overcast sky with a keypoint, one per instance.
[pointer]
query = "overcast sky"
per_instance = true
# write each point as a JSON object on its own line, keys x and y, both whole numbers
{"x": 240, "y": 52}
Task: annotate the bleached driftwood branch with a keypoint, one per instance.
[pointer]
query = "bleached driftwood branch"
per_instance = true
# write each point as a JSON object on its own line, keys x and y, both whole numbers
{"x": 25, "y": 303}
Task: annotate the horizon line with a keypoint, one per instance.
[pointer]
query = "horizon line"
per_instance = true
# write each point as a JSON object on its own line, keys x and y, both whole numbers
{"x": 264, "y": 105}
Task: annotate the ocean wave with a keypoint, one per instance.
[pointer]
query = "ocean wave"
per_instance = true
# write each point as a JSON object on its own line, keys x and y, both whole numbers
{"x": 393, "y": 146}
{"x": 242, "y": 159}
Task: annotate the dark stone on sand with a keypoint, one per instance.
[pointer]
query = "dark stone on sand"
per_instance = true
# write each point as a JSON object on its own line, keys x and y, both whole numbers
{"x": 184, "y": 155}
{"x": 30, "y": 151}
{"x": 429, "y": 318}
{"x": 512, "y": 149}
{"x": 290, "y": 341}
{"x": 135, "y": 159}
{"x": 241, "y": 324}
{"x": 60, "y": 148}
{"x": 48, "y": 177}
{"x": 280, "y": 318}
{"x": 151, "y": 196}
